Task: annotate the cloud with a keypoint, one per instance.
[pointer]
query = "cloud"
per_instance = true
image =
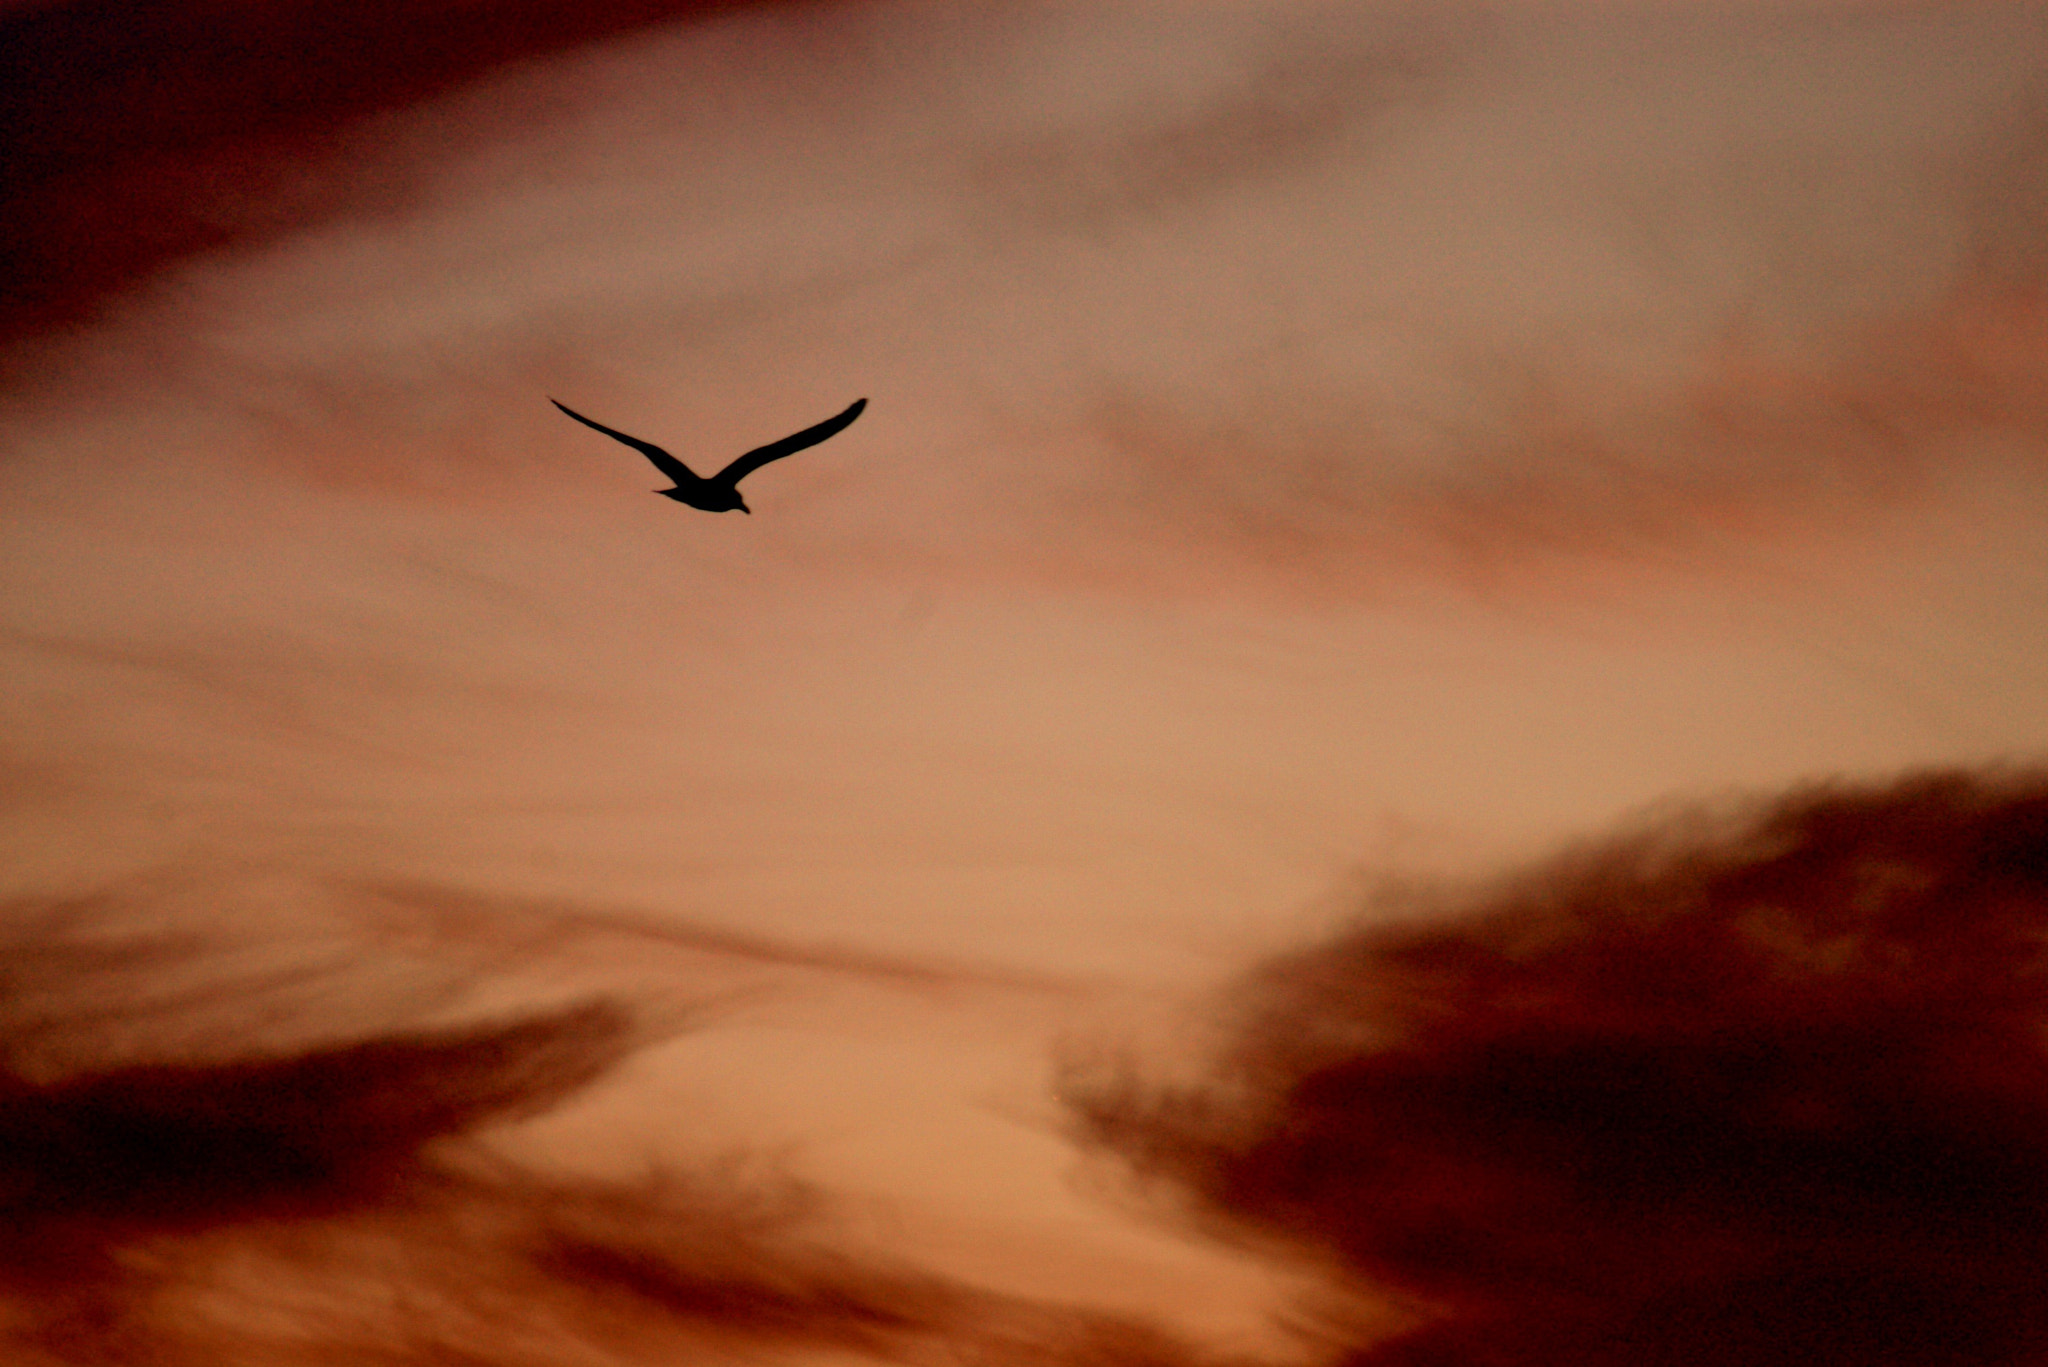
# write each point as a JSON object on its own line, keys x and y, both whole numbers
{"x": 135, "y": 139}
{"x": 1739, "y": 1086}
{"x": 1553, "y": 465}
{"x": 259, "y": 1123}
{"x": 1280, "y": 299}
{"x": 1257, "y": 104}
{"x": 1743, "y": 1088}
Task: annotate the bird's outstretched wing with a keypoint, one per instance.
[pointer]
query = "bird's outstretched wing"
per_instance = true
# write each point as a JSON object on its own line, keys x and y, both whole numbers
{"x": 776, "y": 450}
{"x": 663, "y": 461}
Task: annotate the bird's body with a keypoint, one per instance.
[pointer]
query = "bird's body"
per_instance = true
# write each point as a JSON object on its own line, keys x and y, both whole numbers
{"x": 721, "y": 492}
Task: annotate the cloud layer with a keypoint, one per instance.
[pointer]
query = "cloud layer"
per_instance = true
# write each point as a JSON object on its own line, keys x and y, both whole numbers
{"x": 1754, "y": 1089}
{"x": 1735, "y": 1087}
{"x": 1216, "y": 356}
{"x": 194, "y": 1168}
{"x": 133, "y": 138}
{"x": 1280, "y": 298}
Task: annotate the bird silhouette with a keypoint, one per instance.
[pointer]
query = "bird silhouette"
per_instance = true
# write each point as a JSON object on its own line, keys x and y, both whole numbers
{"x": 721, "y": 493}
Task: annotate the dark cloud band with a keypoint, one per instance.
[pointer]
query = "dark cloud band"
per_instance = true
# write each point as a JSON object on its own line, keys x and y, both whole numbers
{"x": 132, "y": 136}
{"x": 1752, "y": 1092}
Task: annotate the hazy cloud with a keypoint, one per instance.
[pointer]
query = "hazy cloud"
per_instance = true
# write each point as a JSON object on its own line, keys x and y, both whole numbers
{"x": 1294, "y": 293}
{"x": 1279, "y": 98}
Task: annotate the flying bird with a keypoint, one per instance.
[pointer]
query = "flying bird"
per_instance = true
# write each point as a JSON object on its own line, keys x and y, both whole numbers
{"x": 721, "y": 493}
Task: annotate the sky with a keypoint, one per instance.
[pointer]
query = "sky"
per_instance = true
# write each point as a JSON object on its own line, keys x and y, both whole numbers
{"x": 1433, "y": 619}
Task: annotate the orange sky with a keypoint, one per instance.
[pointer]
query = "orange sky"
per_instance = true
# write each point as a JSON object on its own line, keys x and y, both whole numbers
{"x": 1306, "y": 444}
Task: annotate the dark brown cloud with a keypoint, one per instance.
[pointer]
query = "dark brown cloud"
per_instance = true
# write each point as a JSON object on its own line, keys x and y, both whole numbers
{"x": 233, "y": 1141}
{"x": 1728, "y": 1091}
{"x": 131, "y": 136}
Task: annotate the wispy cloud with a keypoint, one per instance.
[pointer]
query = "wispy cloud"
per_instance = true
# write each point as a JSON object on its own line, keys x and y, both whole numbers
{"x": 213, "y": 1148}
{"x": 1292, "y": 298}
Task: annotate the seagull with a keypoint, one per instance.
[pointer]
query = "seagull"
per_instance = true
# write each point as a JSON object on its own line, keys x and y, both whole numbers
{"x": 721, "y": 493}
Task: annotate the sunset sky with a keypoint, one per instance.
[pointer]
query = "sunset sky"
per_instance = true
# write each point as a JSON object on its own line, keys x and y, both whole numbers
{"x": 1316, "y": 455}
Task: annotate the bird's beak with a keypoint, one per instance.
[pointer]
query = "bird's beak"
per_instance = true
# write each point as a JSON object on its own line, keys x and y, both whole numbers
{"x": 745, "y": 509}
